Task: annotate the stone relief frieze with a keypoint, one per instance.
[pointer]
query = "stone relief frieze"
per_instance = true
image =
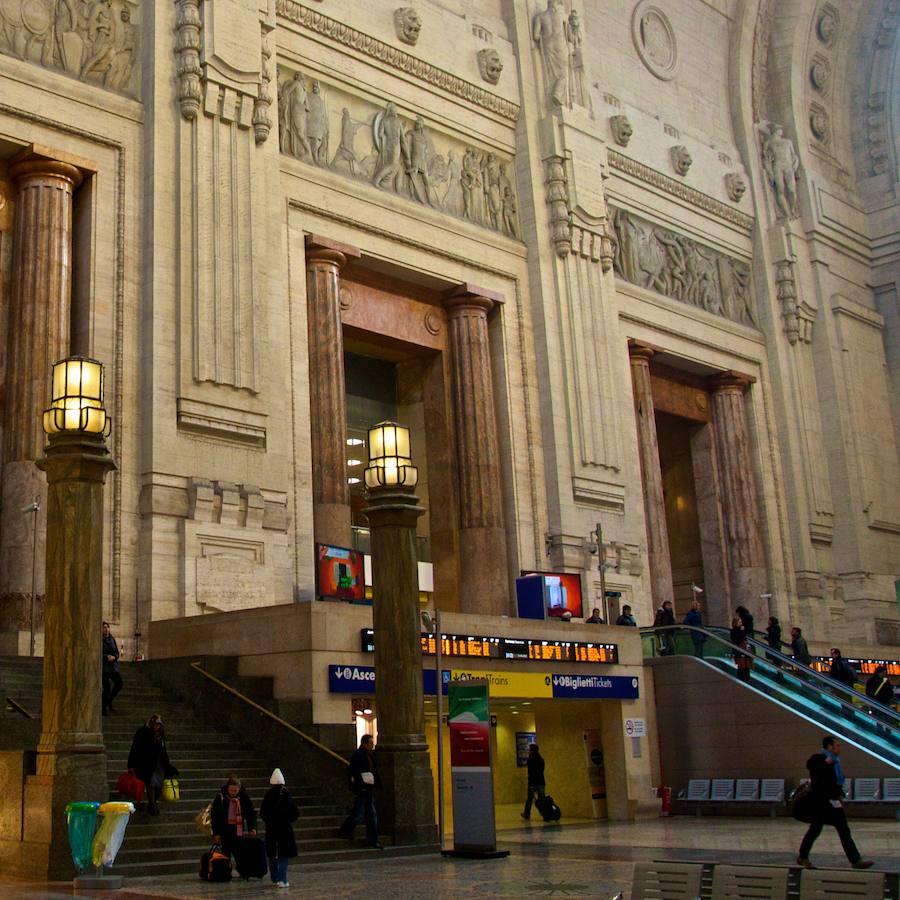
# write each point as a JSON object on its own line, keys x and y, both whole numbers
{"x": 301, "y": 16}
{"x": 559, "y": 36}
{"x": 781, "y": 165}
{"x": 675, "y": 265}
{"x": 395, "y": 154}
{"x": 93, "y": 40}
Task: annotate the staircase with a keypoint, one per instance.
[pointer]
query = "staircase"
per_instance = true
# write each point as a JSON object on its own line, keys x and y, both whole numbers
{"x": 171, "y": 844}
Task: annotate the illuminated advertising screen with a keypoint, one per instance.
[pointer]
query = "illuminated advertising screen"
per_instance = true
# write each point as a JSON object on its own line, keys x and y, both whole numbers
{"x": 339, "y": 573}
{"x": 562, "y": 593}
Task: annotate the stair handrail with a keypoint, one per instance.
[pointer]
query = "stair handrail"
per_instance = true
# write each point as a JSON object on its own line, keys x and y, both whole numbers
{"x": 827, "y": 685}
{"x": 17, "y": 707}
{"x": 267, "y": 712}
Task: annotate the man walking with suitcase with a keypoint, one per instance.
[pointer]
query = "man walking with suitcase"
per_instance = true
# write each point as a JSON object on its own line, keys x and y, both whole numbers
{"x": 536, "y": 780}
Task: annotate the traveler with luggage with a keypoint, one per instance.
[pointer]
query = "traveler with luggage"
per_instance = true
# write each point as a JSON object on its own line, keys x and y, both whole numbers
{"x": 233, "y": 821}
{"x": 149, "y": 760}
{"x": 536, "y": 782}
{"x": 278, "y": 810}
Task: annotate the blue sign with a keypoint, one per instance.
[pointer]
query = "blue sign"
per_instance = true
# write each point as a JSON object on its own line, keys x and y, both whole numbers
{"x": 587, "y": 687}
{"x": 351, "y": 679}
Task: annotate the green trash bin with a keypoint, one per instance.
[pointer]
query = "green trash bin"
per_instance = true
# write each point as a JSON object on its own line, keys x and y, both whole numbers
{"x": 82, "y": 821}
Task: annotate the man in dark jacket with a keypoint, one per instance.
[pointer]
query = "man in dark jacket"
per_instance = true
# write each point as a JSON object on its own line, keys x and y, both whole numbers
{"x": 879, "y": 687}
{"x": 232, "y": 815}
{"x": 626, "y": 618}
{"x": 825, "y": 806}
{"x": 112, "y": 680}
{"x": 665, "y": 616}
{"x": 694, "y": 619}
{"x": 536, "y": 781}
{"x": 363, "y": 781}
{"x": 841, "y": 670}
{"x": 798, "y": 647}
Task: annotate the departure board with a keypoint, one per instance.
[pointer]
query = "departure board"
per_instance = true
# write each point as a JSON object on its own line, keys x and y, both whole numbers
{"x": 863, "y": 666}
{"x": 481, "y": 647}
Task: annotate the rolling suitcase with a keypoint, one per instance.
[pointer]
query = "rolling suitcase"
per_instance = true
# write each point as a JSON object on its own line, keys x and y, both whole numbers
{"x": 250, "y": 857}
{"x": 215, "y": 865}
{"x": 548, "y": 808}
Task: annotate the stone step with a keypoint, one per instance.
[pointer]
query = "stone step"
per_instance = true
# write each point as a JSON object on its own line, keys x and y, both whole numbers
{"x": 174, "y": 821}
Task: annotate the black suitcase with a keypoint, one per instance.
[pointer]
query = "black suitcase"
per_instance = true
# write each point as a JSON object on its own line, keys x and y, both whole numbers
{"x": 250, "y": 857}
{"x": 547, "y": 808}
{"x": 215, "y": 866}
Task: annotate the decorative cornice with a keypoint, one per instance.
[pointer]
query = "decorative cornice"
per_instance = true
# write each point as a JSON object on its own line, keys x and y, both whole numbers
{"x": 678, "y": 189}
{"x": 397, "y": 59}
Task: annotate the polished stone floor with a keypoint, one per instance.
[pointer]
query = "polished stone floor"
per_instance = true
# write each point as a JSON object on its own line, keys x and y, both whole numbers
{"x": 570, "y": 859}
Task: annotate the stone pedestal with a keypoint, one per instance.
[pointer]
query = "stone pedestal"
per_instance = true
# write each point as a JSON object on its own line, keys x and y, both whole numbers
{"x": 327, "y": 391}
{"x": 659, "y": 559}
{"x": 406, "y": 802}
{"x": 40, "y": 304}
{"x": 484, "y": 576}
{"x": 71, "y": 760}
{"x": 737, "y": 494}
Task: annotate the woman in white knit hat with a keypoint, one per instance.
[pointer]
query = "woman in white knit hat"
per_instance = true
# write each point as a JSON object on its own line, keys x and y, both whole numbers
{"x": 278, "y": 810}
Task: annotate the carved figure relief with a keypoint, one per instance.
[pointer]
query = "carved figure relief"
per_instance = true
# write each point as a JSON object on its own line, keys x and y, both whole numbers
{"x": 402, "y": 157}
{"x": 577, "y": 76}
{"x": 735, "y": 186}
{"x": 93, "y": 40}
{"x": 781, "y": 164}
{"x": 681, "y": 159}
{"x": 490, "y": 65}
{"x": 621, "y": 129}
{"x": 407, "y": 24}
{"x": 549, "y": 32}
{"x": 675, "y": 265}
{"x": 654, "y": 40}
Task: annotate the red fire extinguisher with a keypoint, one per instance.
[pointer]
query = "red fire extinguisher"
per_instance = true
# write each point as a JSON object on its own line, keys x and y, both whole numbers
{"x": 665, "y": 794}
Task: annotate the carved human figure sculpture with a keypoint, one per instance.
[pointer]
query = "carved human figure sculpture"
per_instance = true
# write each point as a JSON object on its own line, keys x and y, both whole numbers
{"x": 295, "y": 109}
{"x": 490, "y": 65}
{"x": 577, "y": 78}
{"x": 781, "y": 163}
{"x": 388, "y": 135}
{"x": 417, "y": 152}
{"x": 681, "y": 159}
{"x": 317, "y": 124}
{"x": 345, "y": 157}
{"x": 621, "y": 129}
{"x": 549, "y": 32}
{"x": 407, "y": 24}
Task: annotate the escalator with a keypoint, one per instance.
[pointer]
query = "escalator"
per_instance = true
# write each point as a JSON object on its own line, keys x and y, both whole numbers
{"x": 832, "y": 706}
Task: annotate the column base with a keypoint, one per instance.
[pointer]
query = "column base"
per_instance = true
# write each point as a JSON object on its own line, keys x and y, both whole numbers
{"x": 407, "y": 796}
{"x": 76, "y": 776}
{"x": 484, "y": 579}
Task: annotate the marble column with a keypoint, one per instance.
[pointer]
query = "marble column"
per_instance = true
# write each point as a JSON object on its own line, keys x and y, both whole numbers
{"x": 40, "y": 304}
{"x": 407, "y": 798}
{"x": 659, "y": 559}
{"x": 737, "y": 493}
{"x": 484, "y": 577}
{"x": 327, "y": 391}
{"x": 71, "y": 760}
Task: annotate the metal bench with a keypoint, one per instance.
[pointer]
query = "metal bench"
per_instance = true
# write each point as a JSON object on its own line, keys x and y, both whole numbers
{"x": 867, "y": 790}
{"x": 818, "y": 884}
{"x": 739, "y": 882}
{"x": 772, "y": 790}
{"x": 698, "y": 789}
{"x": 746, "y": 790}
{"x": 666, "y": 881}
{"x": 891, "y": 791}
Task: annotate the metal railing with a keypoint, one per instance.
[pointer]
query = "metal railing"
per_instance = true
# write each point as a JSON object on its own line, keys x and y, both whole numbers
{"x": 277, "y": 719}
{"x": 17, "y": 707}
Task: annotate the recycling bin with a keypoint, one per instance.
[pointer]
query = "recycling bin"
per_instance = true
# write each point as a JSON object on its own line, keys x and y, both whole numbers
{"x": 81, "y": 818}
{"x": 114, "y": 818}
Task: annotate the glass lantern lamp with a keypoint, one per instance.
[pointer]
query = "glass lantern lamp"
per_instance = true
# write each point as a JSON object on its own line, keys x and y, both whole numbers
{"x": 390, "y": 464}
{"x": 76, "y": 402}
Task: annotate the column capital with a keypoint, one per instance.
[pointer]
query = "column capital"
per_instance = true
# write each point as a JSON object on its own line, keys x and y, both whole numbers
{"x": 38, "y": 160}
{"x": 323, "y": 249}
{"x": 732, "y": 381}
{"x": 469, "y": 296}
{"x": 640, "y": 350}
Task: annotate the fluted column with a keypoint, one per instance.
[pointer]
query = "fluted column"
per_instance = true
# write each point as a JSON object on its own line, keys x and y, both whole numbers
{"x": 484, "y": 582}
{"x": 659, "y": 559}
{"x": 327, "y": 392}
{"x": 737, "y": 492}
{"x": 39, "y": 333}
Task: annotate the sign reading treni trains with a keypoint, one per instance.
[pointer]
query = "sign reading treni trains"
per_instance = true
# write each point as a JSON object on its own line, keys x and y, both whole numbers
{"x": 479, "y": 647}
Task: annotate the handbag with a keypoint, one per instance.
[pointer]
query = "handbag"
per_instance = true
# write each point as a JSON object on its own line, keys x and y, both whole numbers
{"x": 170, "y": 789}
{"x": 802, "y": 801}
{"x": 129, "y": 785}
{"x": 203, "y": 819}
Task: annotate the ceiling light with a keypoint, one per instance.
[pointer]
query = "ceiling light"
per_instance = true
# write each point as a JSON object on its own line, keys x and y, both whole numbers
{"x": 354, "y": 462}
{"x": 353, "y": 480}
{"x": 354, "y": 442}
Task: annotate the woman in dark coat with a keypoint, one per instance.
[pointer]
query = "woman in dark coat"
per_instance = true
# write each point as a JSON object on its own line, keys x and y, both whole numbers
{"x": 739, "y": 638}
{"x": 746, "y": 620}
{"x": 149, "y": 759}
{"x": 278, "y": 810}
{"x": 232, "y": 815}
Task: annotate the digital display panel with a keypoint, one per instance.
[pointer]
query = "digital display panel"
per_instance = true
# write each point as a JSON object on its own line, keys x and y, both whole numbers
{"x": 479, "y": 647}
{"x": 562, "y": 593}
{"x": 339, "y": 573}
{"x": 863, "y": 666}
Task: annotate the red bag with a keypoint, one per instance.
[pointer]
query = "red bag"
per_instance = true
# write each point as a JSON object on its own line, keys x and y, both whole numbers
{"x": 129, "y": 785}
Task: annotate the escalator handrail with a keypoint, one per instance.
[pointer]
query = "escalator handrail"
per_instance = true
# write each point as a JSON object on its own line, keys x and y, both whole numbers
{"x": 827, "y": 685}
